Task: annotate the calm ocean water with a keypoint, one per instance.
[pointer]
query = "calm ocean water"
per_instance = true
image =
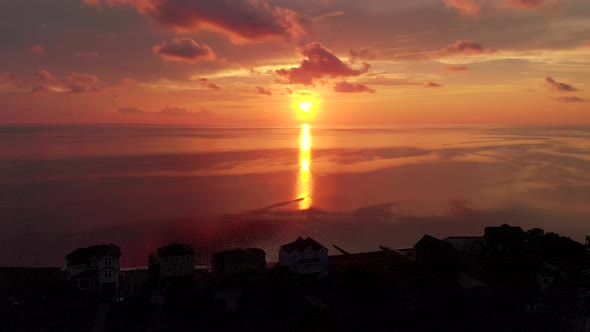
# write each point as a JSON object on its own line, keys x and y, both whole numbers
{"x": 141, "y": 187}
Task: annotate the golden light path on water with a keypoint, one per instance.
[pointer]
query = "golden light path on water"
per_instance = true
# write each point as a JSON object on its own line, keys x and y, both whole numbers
{"x": 305, "y": 185}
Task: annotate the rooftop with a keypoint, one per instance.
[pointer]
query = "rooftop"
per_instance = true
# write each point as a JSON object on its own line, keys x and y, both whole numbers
{"x": 83, "y": 255}
{"x": 301, "y": 244}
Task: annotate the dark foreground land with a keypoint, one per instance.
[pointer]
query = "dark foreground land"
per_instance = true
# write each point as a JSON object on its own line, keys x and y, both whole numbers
{"x": 505, "y": 281}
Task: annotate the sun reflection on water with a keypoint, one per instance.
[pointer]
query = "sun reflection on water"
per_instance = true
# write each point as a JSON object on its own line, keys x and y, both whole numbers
{"x": 304, "y": 185}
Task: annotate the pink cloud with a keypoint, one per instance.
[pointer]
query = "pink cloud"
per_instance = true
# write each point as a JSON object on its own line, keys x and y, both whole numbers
{"x": 320, "y": 63}
{"x": 37, "y": 48}
{"x": 184, "y": 49}
{"x": 241, "y": 20}
{"x": 527, "y": 4}
{"x": 263, "y": 91}
{"x": 465, "y": 7}
{"x": 559, "y": 86}
{"x": 206, "y": 83}
{"x": 432, "y": 85}
{"x": 346, "y": 87}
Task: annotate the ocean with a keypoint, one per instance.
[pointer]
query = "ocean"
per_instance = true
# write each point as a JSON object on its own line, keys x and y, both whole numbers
{"x": 140, "y": 187}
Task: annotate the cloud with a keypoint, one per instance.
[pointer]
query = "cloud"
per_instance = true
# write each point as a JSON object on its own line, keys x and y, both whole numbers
{"x": 466, "y": 47}
{"x": 320, "y": 63}
{"x": 558, "y": 86}
{"x": 87, "y": 55}
{"x": 527, "y": 4}
{"x": 37, "y": 48}
{"x": 465, "y": 7}
{"x": 474, "y": 7}
{"x": 432, "y": 85}
{"x": 206, "y": 83}
{"x": 263, "y": 91}
{"x": 8, "y": 77}
{"x": 452, "y": 68}
{"x": 572, "y": 99}
{"x": 80, "y": 82}
{"x": 43, "y": 80}
{"x": 289, "y": 91}
{"x": 363, "y": 54}
{"x": 241, "y": 20}
{"x": 184, "y": 49}
{"x": 346, "y": 87}
{"x": 169, "y": 111}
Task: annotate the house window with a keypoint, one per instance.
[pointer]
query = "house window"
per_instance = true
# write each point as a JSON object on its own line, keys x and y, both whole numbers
{"x": 108, "y": 274}
{"x": 166, "y": 259}
{"x": 181, "y": 269}
{"x": 168, "y": 270}
{"x": 188, "y": 258}
{"x": 108, "y": 261}
{"x": 177, "y": 259}
{"x": 308, "y": 255}
{"x": 93, "y": 264}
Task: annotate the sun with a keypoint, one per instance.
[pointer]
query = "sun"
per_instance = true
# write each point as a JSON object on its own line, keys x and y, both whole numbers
{"x": 305, "y": 106}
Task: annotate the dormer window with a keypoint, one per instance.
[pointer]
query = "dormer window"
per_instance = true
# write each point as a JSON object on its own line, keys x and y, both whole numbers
{"x": 108, "y": 261}
{"x": 93, "y": 264}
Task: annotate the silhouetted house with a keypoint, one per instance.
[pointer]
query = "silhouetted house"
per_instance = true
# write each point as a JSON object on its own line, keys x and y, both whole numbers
{"x": 176, "y": 260}
{"x": 436, "y": 256}
{"x": 95, "y": 268}
{"x": 472, "y": 244}
{"x": 388, "y": 265}
{"x": 504, "y": 239}
{"x": 238, "y": 263}
{"x": 588, "y": 241}
{"x": 304, "y": 256}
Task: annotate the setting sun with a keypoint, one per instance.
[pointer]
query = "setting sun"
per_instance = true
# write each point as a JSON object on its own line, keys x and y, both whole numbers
{"x": 305, "y": 106}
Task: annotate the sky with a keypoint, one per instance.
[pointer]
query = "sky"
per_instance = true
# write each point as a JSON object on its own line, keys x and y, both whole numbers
{"x": 251, "y": 62}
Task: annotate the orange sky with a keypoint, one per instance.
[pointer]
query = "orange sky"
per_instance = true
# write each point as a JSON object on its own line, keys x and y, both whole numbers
{"x": 247, "y": 62}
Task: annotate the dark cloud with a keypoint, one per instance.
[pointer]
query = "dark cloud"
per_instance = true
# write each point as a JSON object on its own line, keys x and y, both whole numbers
{"x": 37, "y": 48}
{"x": 346, "y": 87}
{"x": 363, "y": 54}
{"x": 80, "y": 82}
{"x": 432, "y": 85}
{"x": 184, "y": 49}
{"x": 320, "y": 63}
{"x": 572, "y": 99}
{"x": 87, "y": 55}
{"x": 456, "y": 68}
{"x": 8, "y": 77}
{"x": 242, "y": 20}
{"x": 467, "y": 47}
{"x": 289, "y": 91}
{"x": 263, "y": 91}
{"x": 559, "y": 86}
{"x": 206, "y": 83}
{"x": 43, "y": 81}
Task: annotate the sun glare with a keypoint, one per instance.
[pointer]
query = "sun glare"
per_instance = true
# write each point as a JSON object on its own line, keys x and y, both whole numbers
{"x": 305, "y": 106}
